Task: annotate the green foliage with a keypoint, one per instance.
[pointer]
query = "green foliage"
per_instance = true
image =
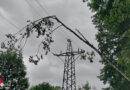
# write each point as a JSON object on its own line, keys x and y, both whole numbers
{"x": 85, "y": 87}
{"x": 83, "y": 57}
{"x": 45, "y": 86}
{"x": 88, "y": 55}
{"x": 41, "y": 28}
{"x": 13, "y": 71}
{"x": 85, "y": 0}
{"x": 124, "y": 58}
{"x": 112, "y": 19}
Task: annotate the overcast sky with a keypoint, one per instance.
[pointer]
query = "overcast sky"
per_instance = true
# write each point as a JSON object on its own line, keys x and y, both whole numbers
{"x": 76, "y": 15}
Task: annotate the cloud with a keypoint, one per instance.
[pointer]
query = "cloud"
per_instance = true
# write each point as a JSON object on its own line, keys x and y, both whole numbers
{"x": 52, "y": 2}
{"x": 3, "y": 13}
{"x": 74, "y": 14}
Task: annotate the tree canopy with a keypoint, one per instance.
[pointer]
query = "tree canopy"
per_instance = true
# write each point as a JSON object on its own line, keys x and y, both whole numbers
{"x": 112, "y": 19}
{"x": 85, "y": 87}
{"x": 45, "y": 86}
{"x": 13, "y": 71}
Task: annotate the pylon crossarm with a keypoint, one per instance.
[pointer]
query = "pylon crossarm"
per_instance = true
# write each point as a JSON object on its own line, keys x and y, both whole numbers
{"x": 70, "y": 53}
{"x": 76, "y": 58}
{"x": 69, "y": 77}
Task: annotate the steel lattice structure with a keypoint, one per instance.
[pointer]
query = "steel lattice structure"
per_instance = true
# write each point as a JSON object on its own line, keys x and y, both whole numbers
{"x": 69, "y": 77}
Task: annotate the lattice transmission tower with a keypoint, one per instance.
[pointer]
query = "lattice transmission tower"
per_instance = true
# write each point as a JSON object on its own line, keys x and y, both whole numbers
{"x": 69, "y": 77}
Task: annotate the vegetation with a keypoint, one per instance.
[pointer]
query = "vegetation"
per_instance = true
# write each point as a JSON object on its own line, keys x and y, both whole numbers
{"x": 112, "y": 19}
{"x": 45, "y": 86}
{"x": 13, "y": 71}
{"x": 85, "y": 87}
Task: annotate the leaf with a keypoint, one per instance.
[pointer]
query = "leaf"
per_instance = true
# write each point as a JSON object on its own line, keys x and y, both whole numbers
{"x": 83, "y": 57}
{"x": 41, "y": 56}
{"x": 90, "y": 59}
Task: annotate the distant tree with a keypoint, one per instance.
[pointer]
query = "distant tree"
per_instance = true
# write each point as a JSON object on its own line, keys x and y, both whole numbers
{"x": 13, "y": 71}
{"x": 45, "y": 86}
{"x": 94, "y": 88}
{"x": 85, "y": 87}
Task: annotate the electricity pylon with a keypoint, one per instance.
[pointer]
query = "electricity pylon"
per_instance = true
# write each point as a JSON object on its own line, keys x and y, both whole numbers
{"x": 69, "y": 78}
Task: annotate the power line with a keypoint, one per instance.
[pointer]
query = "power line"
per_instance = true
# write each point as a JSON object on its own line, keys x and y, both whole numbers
{"x": 58, "y": 57}
{"x": 70, "y": 38}
{"x": 86, "y": 41}
{"x": 43, "y": 8}
{"x": 56, "y": 28}
{"x": 20, "y": 30}
{"x": 10, "y": 22}
{"x": 32, "y": 7}
{"x": 24, "y": 43}
{"x": 91, "y": 45}
{"x": 14, "y": 25}
{"x": 17, "y": 32}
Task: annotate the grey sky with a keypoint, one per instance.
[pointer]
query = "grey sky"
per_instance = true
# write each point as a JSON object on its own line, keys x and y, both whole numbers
{"x": 76, "y": 15}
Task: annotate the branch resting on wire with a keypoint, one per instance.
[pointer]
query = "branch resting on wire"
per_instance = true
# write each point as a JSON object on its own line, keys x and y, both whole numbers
{"x": 43, "y": 27}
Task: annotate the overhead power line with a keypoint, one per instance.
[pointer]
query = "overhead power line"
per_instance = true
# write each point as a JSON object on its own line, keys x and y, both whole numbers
{"x": 32, "y": 7}
{"x": 43, "y": 8}
{"x": 86, "y": 42}
{"x": 68, "y": 36}
{"x": 12, "y": 24}
{"x": 9, "y": 21}
{"x": 93, "y": 47}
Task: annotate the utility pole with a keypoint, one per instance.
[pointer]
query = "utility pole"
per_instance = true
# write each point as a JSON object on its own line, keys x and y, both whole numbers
{"x": 69, "y": 77}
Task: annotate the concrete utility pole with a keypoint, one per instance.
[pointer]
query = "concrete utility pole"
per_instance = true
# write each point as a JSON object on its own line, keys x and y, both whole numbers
{"x": 69, "y": 78}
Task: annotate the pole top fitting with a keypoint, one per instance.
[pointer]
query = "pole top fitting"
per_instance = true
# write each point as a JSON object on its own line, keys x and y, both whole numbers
{"x": 68, "y": 40}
